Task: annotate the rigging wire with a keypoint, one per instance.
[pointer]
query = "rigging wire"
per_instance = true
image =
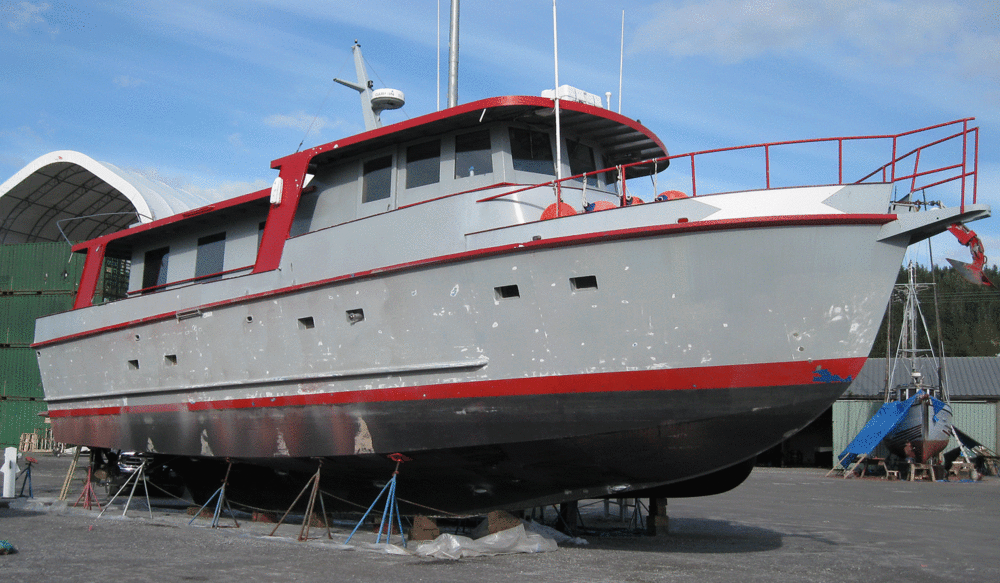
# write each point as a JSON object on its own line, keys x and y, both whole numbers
{"x": 322, "y": 105}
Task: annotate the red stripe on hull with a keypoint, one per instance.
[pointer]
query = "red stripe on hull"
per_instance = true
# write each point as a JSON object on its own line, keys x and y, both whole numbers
{"x": 720, "y": 377}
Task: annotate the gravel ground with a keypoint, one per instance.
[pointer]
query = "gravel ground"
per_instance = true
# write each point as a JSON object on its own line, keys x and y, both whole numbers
{"x": 781, "y": 525}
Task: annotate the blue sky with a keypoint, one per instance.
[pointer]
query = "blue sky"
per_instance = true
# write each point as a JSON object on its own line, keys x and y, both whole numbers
{"x": 203, "y": 95}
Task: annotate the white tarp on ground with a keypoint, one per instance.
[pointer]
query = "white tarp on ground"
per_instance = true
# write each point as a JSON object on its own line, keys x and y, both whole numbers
{"x": 512, "y": 540}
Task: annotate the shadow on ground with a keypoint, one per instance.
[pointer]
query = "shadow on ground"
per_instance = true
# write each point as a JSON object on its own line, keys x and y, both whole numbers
{"x": 693, "y": 535}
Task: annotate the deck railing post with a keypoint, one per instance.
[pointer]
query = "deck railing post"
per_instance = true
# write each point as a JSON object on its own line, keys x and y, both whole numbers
{"x": 767, "y": 165}
{"x": 975, "y": 167}
{"x": 893, "y": 173}
{"x": 694, "y": 187}
{"x": 965, "y": 155}
{"x": 916, "y": 167}
{"x": 840, "y": 160}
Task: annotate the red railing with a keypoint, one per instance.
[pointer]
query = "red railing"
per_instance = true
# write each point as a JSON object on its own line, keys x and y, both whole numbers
{"x": 958, "y": 171}
{"x": 196, "y": 279}
{"x": 954, "y": 170}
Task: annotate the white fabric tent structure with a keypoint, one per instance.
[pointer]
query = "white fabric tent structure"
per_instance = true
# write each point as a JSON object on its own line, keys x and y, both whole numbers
{"x": 69, "y": 193}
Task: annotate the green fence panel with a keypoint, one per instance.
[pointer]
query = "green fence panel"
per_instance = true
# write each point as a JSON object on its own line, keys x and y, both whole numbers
{"x": 39, "y": 267}
{"x": 18, "y": 314}
{"x": 17, "y": 417}
{"x": 19, "y": 376}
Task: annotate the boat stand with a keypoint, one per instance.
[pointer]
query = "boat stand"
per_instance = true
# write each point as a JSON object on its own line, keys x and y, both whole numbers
{"x": 89, "y": 496}
{"x": 26, "y": 472}
{"x": 134, "y": 479}
{"x": 390, "y": 506}
{"x": 307, "y": 519}
{"x": 221, "y": 493}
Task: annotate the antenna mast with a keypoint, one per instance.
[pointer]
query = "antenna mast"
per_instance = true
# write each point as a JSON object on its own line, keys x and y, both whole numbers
{"x": 621, "y": 65}
{"x": 453, "y": 57}
{"x": 364, "y": 87}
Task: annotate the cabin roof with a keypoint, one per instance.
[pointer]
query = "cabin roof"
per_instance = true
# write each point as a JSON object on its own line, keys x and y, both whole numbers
{"x": 623, "y": 140}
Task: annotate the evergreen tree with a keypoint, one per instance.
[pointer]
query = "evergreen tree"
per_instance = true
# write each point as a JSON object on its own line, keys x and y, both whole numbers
{"x": 969, "y": 314}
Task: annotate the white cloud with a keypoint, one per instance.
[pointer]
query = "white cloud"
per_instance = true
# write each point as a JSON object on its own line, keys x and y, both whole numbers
{"x": 24, "y": 15}
{"x": 300, "y": 121}
{"x": 125, "y": 81}
{"x": 226, "y": 189}
{"x": 890, "y": 32}
{"x": 236, "y": 141}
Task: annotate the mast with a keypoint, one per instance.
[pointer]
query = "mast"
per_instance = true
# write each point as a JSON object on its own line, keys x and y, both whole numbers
{"x": 453, "y": 57}
{"x": 364, "y": 87}
{"x": 908, "y": 348}
{"x": 373, "y": 102}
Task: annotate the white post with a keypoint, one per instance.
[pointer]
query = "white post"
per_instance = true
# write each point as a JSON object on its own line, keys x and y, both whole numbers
{"x": 9, "y": 471}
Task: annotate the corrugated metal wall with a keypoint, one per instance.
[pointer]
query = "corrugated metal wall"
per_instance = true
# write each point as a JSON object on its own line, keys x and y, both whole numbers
{"x": 35, "y": 279}
{"x": 978, "y": 420}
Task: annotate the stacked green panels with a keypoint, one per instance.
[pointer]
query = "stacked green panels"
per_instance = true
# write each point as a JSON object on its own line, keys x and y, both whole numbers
{"x": 36, "y": 279}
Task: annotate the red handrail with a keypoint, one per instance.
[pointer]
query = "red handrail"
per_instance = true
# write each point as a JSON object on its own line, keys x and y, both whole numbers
{"x": 888, "y": 170}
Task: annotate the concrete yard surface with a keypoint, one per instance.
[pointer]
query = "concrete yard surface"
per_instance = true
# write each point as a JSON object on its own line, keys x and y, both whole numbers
{"x": 781, "y": 525}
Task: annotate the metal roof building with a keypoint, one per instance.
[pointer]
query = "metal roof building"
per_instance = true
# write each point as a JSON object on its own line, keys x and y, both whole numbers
{"x": 69, "y": 193}
{"x": 60, "y": 197}
{"x": 966, "y": 378}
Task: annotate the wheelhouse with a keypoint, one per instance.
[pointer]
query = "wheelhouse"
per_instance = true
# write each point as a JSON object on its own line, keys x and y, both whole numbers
{"x": 481, "y": 148}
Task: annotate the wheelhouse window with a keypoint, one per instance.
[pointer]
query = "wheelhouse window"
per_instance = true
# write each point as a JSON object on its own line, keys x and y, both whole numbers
{"x": 581, "y": 160}
{"x": 210, "y": 257}
{"x": 154, "y": 267}
{"x": 473, "y": 154}
{"x": 423, "y": 164}
{"x": 531, "y": 151}
{"x": 377, "y": 179}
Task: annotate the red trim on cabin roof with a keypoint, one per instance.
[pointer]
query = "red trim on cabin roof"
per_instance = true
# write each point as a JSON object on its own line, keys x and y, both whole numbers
{"x": 741, "y": 376}
{"x": 673, "y": 228}
{"x": 490, "y": 103}
{"x": 131, "y": 231}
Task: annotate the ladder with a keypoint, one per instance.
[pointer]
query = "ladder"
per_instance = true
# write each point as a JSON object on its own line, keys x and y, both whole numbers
{"x": 69, "y": 475}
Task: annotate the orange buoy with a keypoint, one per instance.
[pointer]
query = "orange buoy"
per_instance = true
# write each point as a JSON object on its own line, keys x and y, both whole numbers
{"x": 564, "y": 211}
{"x": 670, "y": 195}
{"x": 603, "y": 205}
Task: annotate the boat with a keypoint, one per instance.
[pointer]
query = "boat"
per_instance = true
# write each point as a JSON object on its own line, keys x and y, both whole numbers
{"x": 520, "y": 326}
{"x": 924, "y": 428}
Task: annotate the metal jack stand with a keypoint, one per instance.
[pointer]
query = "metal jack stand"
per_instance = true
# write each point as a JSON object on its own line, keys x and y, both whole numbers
{"x": 88, "y": 495}
{"x": 26, "y": 472}
{"x": 221, "y": 493}
{"x": 307, "y": 519}
{"x": 139, "y": 474}
{"x": 390, "y": 506}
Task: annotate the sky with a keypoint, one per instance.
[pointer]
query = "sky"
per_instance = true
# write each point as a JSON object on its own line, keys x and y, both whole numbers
{"x": 203, "y": 95}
